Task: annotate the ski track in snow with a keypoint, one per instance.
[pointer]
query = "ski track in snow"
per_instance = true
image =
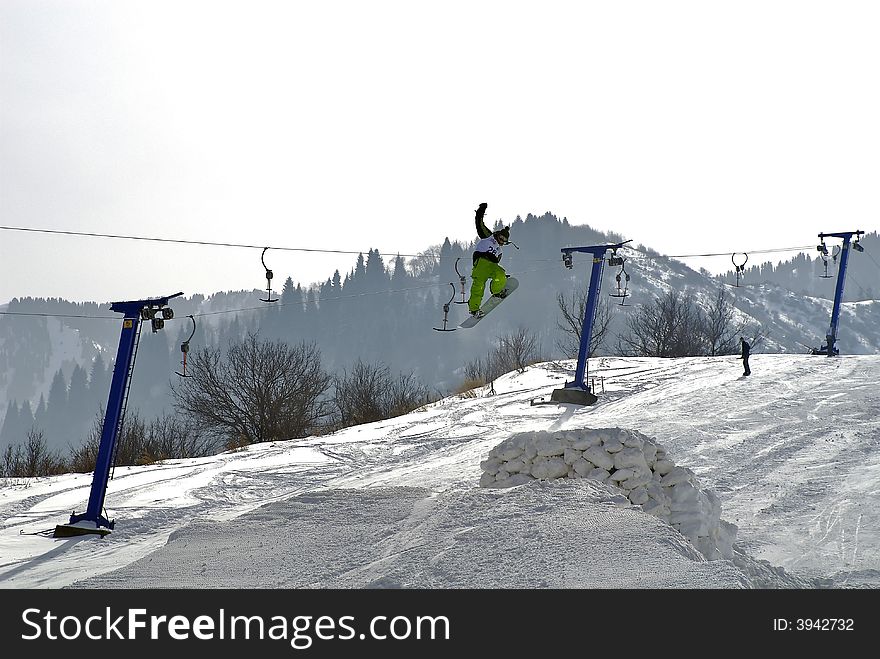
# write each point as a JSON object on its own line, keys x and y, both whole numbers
{"x": 780, "y": 460}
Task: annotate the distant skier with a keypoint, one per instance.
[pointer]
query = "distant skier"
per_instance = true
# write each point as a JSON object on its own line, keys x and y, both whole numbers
{"x": 487, "y": 254}
{"x": 746, "y": 348}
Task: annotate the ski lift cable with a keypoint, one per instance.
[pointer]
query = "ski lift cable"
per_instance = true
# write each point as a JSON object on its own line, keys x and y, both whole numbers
{"x": 342, "y": 298}
{"x": 856, "y": 282}
{"x": 337, "y": 298}
{"x": 56, "y": 315}
{"x": 209, "y": 243}
{"x": 752, "y": 251}
{"x": 872, "y": 259}
{"x": 228, "y": 311}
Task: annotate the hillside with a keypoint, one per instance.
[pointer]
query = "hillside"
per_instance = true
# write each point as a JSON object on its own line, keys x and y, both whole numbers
{"x": 387, "y": 312}
{"x": 790, "y": 454}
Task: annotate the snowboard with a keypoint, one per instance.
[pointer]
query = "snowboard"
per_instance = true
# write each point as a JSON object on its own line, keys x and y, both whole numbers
{"x": 490, "y": 304}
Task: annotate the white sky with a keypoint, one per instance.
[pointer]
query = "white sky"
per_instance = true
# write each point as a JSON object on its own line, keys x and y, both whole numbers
{"x": 790, "y": 452}
{"x": 689, "y": 126}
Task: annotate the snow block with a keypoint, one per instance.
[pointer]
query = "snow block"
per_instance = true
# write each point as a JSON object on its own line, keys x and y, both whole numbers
{"x": 676, "y": 476}
{"x": 632, "y": 463}
{"x": 570, "y": 456}
{"x": 612, "y": 444}
{"x": 553, "y": 467}
{"x": 630, "y": 457}
{"x": 582, "y": 467}
{"x": 599, "y": 457}
{"x": 639, "y": 496}
{"x": 599, "y": 474}
{"x": 584, "y": 442}
{"x": 549, "y": 446}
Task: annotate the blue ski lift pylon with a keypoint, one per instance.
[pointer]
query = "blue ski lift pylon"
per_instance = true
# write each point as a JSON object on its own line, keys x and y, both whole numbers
{"x": 829, "y": 349}
{"x": 94, "y": 521}
{"x": 578, "y": 391}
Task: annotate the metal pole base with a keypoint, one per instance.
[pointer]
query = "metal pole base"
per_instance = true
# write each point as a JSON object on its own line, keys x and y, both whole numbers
{"x": 79, "y": 528}
{"x": 572, "y": 395}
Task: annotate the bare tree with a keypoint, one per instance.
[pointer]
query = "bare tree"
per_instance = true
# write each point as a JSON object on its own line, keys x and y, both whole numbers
{"x": 358, "y": 394}
{"x": 675, "y": 326}
{"x": 572, "y": 310}
{"x": 37, "y": 459}
{"x": 9, "y": 460}
{"x": 258, "y": 391}
{"x": 425, "y": 261}
{"x": 476, "y": 371}
{"x": 166, "y": 437}
{"x": 368, "y": 392}
{"x": 31, "y": 459}
{"x": 516, "y": 351}
{"x": 720, "y": 334}
{"x": 481, "y": 371}
{"x": 407, "y": 394}
{"x": 756, "y": 335}
{"x": 670, "y": 327}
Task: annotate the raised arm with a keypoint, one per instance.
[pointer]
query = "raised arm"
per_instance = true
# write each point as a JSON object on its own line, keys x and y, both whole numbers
{"x": 482, "y": 230}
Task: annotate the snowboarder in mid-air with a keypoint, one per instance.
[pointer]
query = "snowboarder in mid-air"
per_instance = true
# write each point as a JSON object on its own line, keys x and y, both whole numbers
{"x": 746, "y": 348}
{"x": 487, "y": 255}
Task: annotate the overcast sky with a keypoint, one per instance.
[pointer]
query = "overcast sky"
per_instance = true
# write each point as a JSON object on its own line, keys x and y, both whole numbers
{"x": 690, "y": 127}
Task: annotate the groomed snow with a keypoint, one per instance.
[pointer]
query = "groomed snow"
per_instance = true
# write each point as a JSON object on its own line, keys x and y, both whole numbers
{"x": 780, "y": 473}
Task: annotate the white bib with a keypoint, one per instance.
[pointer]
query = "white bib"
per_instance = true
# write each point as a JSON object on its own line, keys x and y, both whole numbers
{"x": 489, "y": 245}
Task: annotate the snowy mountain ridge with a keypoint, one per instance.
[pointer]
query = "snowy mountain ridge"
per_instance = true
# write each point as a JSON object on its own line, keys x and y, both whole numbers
{"x": 348, "y": 326}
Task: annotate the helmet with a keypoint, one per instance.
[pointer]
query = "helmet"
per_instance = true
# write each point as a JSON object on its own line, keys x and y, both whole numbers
{"x": 503, "y": 233}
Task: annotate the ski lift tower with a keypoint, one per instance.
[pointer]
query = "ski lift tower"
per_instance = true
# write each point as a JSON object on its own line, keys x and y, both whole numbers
{"x": 93, "y": 521}
{"x": 578, "y": 391}
{"x": 830, "y": 349}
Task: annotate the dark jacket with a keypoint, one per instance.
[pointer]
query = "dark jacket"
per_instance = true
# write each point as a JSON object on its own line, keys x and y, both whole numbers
{"x": 484, "y": 232}
{"x": 745, "y": 349}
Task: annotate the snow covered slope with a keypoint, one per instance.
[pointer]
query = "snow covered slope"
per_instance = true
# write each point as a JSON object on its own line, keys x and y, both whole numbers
{"x": 791, "y": 453}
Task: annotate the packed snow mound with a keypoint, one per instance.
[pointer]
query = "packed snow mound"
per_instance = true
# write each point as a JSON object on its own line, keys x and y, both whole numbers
{"x": 625, "y": 459}
{"x": 559, "y": 534}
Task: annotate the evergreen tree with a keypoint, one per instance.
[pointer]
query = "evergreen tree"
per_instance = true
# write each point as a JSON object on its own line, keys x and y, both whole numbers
{"x": 10, "y": 432}
{"x": 99, "y": 384}
{"x": 78, "y": 402}
{"x": 149, "y": 382}
{"x": 398, "y": 274}
{"x": 375, "y": 277}
{"x": 57, "y": 427}
{"x": 311, "y": 325}
{"x": 26, "y": 417}
{"x": 40, "y": 415}
{"x": 291, "y": 309}
{"x": 358, "y": 277}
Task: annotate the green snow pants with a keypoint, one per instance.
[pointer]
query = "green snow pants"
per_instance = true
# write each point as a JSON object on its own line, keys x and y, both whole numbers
{"x": 483, "y": 270}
